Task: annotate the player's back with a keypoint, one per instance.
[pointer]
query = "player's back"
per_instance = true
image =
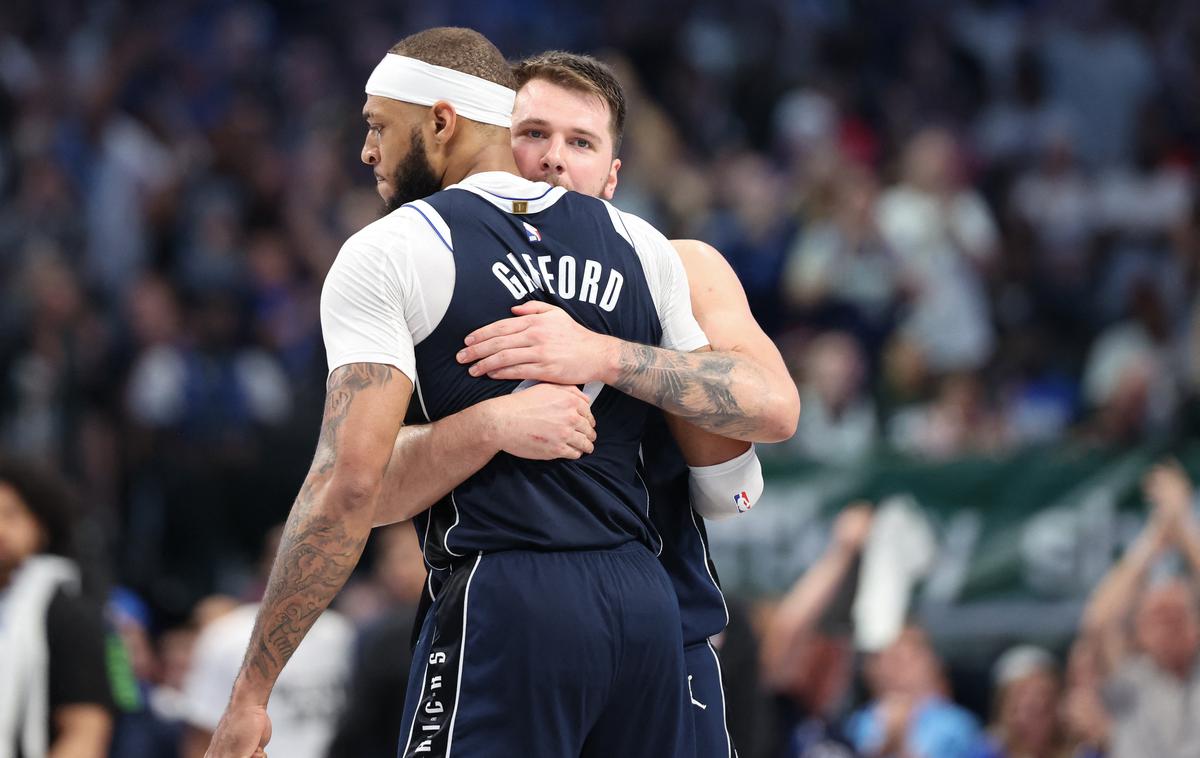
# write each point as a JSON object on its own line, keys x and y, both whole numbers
{"x": 499, "y": 240}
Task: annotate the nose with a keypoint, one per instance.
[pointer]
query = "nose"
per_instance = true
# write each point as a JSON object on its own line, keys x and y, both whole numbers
{"x": 552, "y": 158}
{"x": 370, "y": 151}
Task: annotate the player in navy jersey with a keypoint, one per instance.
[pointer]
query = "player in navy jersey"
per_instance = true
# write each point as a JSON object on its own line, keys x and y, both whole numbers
{"x": 566, "y": 129}
{"x": 555, "y": 630}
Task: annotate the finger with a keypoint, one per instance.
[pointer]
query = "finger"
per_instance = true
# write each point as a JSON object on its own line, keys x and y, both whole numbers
{"x": 530, "y": 307}
{"x": 497, "y": 329}
{"x": 505, "y": 359}
{"x": 491, "y": 346}
{"x": 533, "y": 372}
{"x": 569, "y": 452}
{"x": 581, "y": 443}
{"x": 587, "y": 431}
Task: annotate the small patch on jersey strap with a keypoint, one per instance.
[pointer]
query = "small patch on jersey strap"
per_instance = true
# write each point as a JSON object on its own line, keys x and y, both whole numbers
{"x": 742, "y": 501}
{"x": 520, "y": 206}
{"x": 531, "y": 232}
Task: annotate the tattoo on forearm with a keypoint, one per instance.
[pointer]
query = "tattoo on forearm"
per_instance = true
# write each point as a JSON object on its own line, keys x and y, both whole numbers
{"x": 344, "y": 384}
{"x": 317, "y": 552}
{"x": 699, "y": 387}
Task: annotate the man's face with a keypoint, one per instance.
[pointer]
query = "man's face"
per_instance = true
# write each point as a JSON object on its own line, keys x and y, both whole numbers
{"x": 563, "y": 137}
{"x": 395, "y": 148}
{"x": 1168, "y": 626}
{"x": 20, "y": 534}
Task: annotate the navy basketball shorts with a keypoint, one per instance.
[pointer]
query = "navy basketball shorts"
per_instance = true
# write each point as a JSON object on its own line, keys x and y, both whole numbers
{"x": 551, "y": 655}
{"x": 706, "y": 691}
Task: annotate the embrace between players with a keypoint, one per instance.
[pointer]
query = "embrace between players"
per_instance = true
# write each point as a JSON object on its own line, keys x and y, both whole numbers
{"x": 495, "y": 345}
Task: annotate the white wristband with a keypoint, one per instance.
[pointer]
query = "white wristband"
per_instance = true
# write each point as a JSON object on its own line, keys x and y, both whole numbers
{"x": 728, "y": 488}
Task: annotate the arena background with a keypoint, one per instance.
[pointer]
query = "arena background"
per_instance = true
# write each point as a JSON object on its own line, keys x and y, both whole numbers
{"x": 971, "y": 227}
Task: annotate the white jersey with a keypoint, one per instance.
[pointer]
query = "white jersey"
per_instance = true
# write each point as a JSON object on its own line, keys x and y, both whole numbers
{"x": 308, "y": 697}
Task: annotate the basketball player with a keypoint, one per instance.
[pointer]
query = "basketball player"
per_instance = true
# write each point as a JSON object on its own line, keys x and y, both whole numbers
{"x": 567, "y": 128}
{"x": 555, "y": 623}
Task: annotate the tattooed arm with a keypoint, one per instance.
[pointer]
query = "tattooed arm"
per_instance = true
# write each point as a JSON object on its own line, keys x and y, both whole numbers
{"x": 323, "y": 539}
{"x": 726, "y": 393}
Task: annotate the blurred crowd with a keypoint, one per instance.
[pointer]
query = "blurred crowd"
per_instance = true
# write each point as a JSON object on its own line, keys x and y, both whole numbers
{"x": 971, "y": 226}
{"x": 840, "y": 666}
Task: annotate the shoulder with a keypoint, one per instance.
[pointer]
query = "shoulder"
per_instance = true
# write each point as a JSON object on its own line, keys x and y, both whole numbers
{"x": 389, "y": 239}
{"x": 72, "y": 614}
{"x": 637, "y": 230}
{"x": 703, "y": 262}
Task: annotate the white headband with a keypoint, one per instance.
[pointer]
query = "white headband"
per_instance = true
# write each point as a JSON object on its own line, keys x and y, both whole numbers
{"x": 412, "y": 81}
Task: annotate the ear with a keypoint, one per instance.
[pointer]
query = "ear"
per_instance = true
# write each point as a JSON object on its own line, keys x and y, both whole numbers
{"x": 445, "y": 123}
{"x": 610, "y": 183}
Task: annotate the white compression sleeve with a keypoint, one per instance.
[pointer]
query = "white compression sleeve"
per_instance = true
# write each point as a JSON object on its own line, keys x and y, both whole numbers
{"x": 728, "y": 488}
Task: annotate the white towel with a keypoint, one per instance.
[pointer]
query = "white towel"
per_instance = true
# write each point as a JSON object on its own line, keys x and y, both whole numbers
{"x": 25, "y": 654}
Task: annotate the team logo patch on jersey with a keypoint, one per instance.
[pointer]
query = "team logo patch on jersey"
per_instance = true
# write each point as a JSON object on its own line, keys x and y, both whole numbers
{"x": 742, "y": 501}
{"x": 532, "y": 232}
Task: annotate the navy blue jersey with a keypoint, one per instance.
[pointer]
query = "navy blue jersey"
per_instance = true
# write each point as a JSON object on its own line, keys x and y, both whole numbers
{"x": 681, "y": 530}
{"x": 599, "y": 500}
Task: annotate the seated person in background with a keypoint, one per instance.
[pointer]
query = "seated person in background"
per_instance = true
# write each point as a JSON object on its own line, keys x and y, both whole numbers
{"x": 911, "y": 715}
{"x": 1025, "y": 706}
{"x": 1152, "y": 683}
{"x": 55, "y": 698}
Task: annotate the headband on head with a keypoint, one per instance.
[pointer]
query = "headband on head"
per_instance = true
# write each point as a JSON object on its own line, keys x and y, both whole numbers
{"x": 412, "y": 81}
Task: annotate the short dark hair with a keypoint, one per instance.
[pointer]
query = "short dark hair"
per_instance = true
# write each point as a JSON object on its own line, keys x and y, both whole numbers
{"x": 581, "y": 73}
{"x": 461, "y": 49}
{"x": 47, "y": 498}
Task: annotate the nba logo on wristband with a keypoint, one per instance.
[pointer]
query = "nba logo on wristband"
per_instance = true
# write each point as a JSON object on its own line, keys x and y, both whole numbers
{"x": 742, "y": 501}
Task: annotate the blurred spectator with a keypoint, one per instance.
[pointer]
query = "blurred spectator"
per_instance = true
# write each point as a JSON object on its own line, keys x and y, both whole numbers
{"x": 1085, "y": 718}
{"x": 1020, "y": 122}
{"x": 151, "y": 724}
{"x": 944, "y": 235}
{"x": 1055, "y": 201}
{"x": 56, "y": 699}
{"x": 306, "y": 702}
{"x": 838, "y": 424}
{"x": 1025, "y": 709}
{"x": 754, "y": 231}
{"x": 1128, "y": 378}
{"x": 910, "y": 713}
{"x": 959, "y": 421}
{"x": 1101, "y": 70}
{"x": 1152, "y": 687}
{"x": 808, "y": 650}
{"x": 840, "y": 273}
{"x": 369, "y": 726}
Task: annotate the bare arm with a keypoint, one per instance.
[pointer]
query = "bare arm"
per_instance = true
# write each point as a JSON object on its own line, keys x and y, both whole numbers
{"x": 83, "y": 732}
{"x": 720, "y": 306}
{"x": 726, "y": 393}
{"x": 1111, "y": 604}
{"x": 801, "y": 608}
{"x": 1168, "y": 487}
{"x": 323, "y": 538}
{"x": 429, "y": 460}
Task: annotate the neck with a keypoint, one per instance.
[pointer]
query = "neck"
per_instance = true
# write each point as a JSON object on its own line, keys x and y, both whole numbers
{"x": 489, "y": 156}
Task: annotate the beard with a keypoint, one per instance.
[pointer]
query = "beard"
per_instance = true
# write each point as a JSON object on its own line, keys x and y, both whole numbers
{"x": 413, "y": 179}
